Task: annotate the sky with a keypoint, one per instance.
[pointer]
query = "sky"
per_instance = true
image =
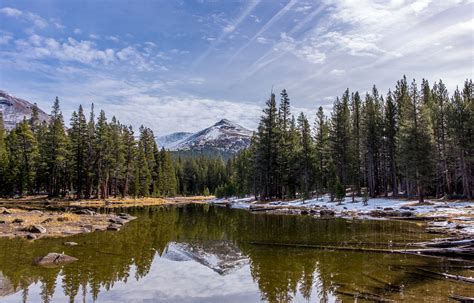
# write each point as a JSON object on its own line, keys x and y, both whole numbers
{"x": 184, "y": 65}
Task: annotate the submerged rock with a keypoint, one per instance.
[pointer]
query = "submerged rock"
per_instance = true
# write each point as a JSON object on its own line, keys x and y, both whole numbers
{"x": 47, "y": 221}
{"x": 54, "y": 259}
{"x": 70, "y": 243}
{"x": 304, "y": 212}
{"x": 18, "y": 221}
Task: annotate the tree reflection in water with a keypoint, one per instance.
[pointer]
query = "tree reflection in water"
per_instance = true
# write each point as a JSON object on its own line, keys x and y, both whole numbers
{"x": 260, "y": 248}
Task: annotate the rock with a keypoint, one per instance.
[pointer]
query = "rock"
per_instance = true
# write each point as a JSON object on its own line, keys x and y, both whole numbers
{"x": 31, "y": 237}
{"x": 36, "y": 229}
{"x": 312, "y": 211}
{"x": 378, "y": 213}
{"x": 62, "y": 219}
{"x": 126, "y": 216}
{"x": 5, "y": 211}
{"x": 114, "y": 226}
{"x": 405, "y": 207}
{"x": 388, "y": 208}
{"x": 326, "y": 213}
{"x": 304, "y": 212}
{"x": 407, "y": 214}
{"x": 85, "y": 212}
{"x": 70, "y": 243}
{"x": 54, "y": 259}
{"x": 47, "y": 221}
{"x": 2, "y": 222}
{"x": 18, "y": 221}
{"x": 118, "y": 221}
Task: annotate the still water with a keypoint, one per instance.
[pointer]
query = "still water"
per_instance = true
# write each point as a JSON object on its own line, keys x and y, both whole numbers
{"x": 201, "y": 253}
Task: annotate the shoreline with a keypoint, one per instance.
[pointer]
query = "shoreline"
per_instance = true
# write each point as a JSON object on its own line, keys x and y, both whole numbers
{"x": 37, "y": 217}
{"x": 453, "y": 218}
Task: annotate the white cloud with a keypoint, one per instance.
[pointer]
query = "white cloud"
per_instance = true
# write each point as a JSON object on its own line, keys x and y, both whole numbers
{"x": 303, "y": 8}
{"x": 5, "y": 37}
{"x": 38, "y": 47}
{"x": 11, "y": 12}
{"x": 262, "y": 40}
{"x": 94, "y": 36}
{"x": 113, "y": 38}
{"x": 36, "y": 20}
{"x": 337, "y": 72}
{"x": 77, "y": 31}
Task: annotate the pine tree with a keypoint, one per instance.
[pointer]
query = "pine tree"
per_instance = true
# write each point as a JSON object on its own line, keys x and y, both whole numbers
{"x": 28, "y": 155}
{"x": 322, "y": 150}
{"x": 340, "y": 137}
{"x": 390, "y": 133}
{"x": 267, "y": 151}
{"x": 4, "y": 173}
{"x": 55, "y": 150}
{"x": 168, "y": 185}
{"x": 461, "y": 129}
{"x": 130, "y": 153}
{"x": 372, "y": 128}
{"x": 416, "y": 146}
{"x": 306, "y": 156}
{"x": 355, "y": 147}
{"x": 78, "y": 146}
{"x": 103, "y": 155}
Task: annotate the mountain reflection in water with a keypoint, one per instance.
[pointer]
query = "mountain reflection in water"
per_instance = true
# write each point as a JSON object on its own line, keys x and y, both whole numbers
{"x": 201, "y": 253}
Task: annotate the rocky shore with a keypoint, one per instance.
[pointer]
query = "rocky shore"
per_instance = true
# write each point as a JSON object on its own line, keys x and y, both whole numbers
{"x": 35, "y": 224}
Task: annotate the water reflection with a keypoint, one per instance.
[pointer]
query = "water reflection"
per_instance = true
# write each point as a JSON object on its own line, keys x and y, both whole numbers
{"x": 205, "y": 254}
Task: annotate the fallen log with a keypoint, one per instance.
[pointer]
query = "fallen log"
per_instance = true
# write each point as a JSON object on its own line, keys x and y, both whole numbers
{"x": 450, "y": 276}
{"x": 462, "y": 298}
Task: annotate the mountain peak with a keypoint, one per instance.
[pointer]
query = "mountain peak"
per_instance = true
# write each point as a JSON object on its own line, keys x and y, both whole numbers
{"x": 15, "y": 109}
{"x": 224, "y": 136}
{"x": 223, "y": 121}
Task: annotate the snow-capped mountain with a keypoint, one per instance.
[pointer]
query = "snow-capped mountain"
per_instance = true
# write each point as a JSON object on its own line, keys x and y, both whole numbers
{"x": 223, "y": 257}
{"x": 14, "y": 109}
{"x": 224, "y": 136}
{"x": 172, "y": 140}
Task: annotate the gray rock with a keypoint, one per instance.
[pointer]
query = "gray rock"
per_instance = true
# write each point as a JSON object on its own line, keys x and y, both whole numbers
{"x": 5, "y": 211}
{"x": 47, "y": 221}
{"x": 405, "y": 207}
{"x": 407, "y": 214}
{"x": 326, "y": 213}
{"x": 114, "y": 226}
{"x": 70, "y": 243}
{"x": 85, "y": 212}
{"x": 118, "y": 221}
{"x": 54, "y": 259}
{"x": 388, "y": 208}
{"x": 304, "y": 212}
{"x": 36, "y": 229}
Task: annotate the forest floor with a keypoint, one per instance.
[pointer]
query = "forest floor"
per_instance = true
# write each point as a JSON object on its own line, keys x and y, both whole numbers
{"x": 451, "y": 217}
{"x": 33, "y": 217}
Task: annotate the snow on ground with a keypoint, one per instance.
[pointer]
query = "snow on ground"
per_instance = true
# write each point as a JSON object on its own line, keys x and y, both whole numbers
{"x": 446, "y": 215}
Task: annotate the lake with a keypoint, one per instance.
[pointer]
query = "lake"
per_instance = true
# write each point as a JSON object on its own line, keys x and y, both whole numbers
{"x": 205, "y": 253}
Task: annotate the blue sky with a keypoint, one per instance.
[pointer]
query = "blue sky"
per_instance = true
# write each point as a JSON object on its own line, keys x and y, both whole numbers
{"x": 183, "y": 65}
